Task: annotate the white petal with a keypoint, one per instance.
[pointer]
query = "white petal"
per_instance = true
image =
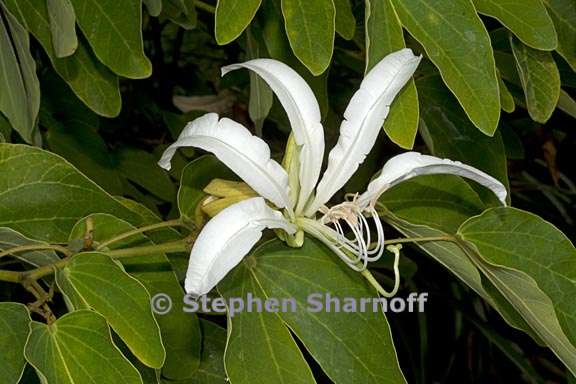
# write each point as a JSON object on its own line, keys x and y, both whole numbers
{"x": 412, "y": 164}
{"x": 226, "y": 239}
{"x": 245, "y": 154}
{"x": 303, "y": 112}
{"x": 363, "y": 120}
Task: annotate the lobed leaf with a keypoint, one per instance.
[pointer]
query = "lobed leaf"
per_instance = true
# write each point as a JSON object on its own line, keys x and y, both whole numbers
{"x": 78, "y": 348}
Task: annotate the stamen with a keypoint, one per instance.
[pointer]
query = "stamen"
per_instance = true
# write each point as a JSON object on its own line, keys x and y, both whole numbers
{"x": 354, "y": 215}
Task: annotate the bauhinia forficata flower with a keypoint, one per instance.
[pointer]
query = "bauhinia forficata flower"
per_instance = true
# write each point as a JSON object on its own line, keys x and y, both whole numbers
{"x": 291, "y": 200}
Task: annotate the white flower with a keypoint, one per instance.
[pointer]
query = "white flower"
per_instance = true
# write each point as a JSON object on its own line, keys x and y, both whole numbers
{"x": 230, "y": 235}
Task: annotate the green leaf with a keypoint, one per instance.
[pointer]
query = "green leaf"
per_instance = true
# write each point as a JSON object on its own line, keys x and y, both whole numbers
{"x": 455, "y": 259}
{"x": 448, "y": 133}
{"x": 540, "y": 80}
{"x": 531, "y": 303}
{"x": 91, "y": 81}
{"x": 457, "y": 43}
{"x": 14, "y": 329}
{"x": 261, "y": 96}
{"x": 86, "y": 150}
{"x": 345, "y": 21}
{"x": 77, "y": 348}
{"x": 180, "y": 330}
{"x": 211, "y": 370}
{"x": 36, "y": 184}
{"x": 10, "y": 239}
{"x": 310, "y": 28}
{"x": 20, "y": 95}
{"x": 63, "y": 27}
{"x": 141, "y": 168}
{"x": 278, "y": 47}
{"x": 181, "y": 12}
{"x": 232, "y": 18}
{"x": 154, "y": 7}
{"x": 349, "y": 346}
{"x": 114, "y": 31}
{"x": 5, "y": 129}
{"x": 260, "y": 349}
{"x": 563, "y": 14}
{"x": 506, "y": 98}
{"x": 440, "y": 201}
{"x": 528, "y": 20}
{"x": 121, "y": 299}
{"x": 567, "y": 104}
{"x": 509, "y": 237}
{"x": 195, "y": 177}
{"x": 383, "y": 36}
{"x": 511, "y": 351}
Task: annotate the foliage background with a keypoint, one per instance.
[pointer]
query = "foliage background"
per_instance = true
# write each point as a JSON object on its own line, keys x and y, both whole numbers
{"x": 109, "y": 84}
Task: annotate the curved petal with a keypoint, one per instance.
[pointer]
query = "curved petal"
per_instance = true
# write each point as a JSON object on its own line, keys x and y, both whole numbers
{"x": 412, "y": 164}
{"x": 303, "y": 112}
{"x": 226, "y": 239}
{"x": 363, "y": 120}
{"x": 245, "y": 154}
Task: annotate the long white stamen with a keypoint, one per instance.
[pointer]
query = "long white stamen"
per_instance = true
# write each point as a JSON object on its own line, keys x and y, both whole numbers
{"x": 355, "y": 218}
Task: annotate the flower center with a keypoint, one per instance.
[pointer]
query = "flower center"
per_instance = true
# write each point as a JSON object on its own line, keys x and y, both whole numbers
{"x": 350, "y": 216}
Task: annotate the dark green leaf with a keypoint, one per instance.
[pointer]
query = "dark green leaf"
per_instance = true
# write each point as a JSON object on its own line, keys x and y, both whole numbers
{"x": 457, "y": 43}
{"x": 211, "y": 370}
{"x": 345, "y": 21}
{"x": 91, "y": 81}
{"x": 563, "y": 13}
{"x": 14, "y": 329}
{"x": 440, "y": 201}
{"x": 351, "y": 347}
{"x": 181, "y": 12}
{"x": 455, "y": 259}
{"x": 195, "y": 178}
{"x": 540, "y": 80}
{"x": 77, "y": 348}
{"x": 512, "y": 238}
{"x": 141, "y": 168}
{"x": 566, "y": 103}
{"x": 154, "y": 7}
{"x": 261, "y": 96}
{"x": 85, "y": 149}
{"x": 384, "y": 36}
{"x": 278, "y": 47}
{"x": 180, "y": 330}
{"x": 232, "y": 18}
{"x": 260, "y": 349}
{"x": 448, "y": 133}
{"x": 114, "y": 31}
{"x": 63, "y": 27}
{"x": 20, "y": 89}
{"x": 310, "y": 29}
{"x": 528, "y": 20}
{"x": 506, "y": 98}
{"x": 121, "y": 299}
{"x": 10, "y": 239}
{"x": 36, "y": 185}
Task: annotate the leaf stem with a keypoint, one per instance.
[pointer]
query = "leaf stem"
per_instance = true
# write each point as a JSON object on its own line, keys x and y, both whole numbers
{"x": 204, "y": 6}
{"x": 418, "y": 239}
{"x": 148, "y": 228}
{"x": 27, "y": 277}
{"x": 36, "y": 247}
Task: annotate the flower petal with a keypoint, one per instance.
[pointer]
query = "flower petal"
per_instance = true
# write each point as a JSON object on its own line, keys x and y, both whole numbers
{"x": 247, "y": 155}
{"x": 412, "y": 164}
{"x": 303, "y": 112}
{"x": 363, "y": 120}
{"x": 226, "y": 239}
